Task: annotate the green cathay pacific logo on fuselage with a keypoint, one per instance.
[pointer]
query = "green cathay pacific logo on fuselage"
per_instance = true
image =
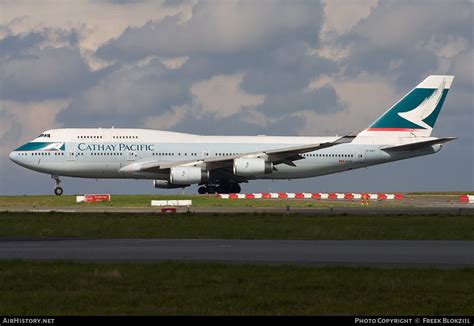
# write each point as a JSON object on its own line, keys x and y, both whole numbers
{"x": 42, "y": 146}
{"x": 419, "y": 109}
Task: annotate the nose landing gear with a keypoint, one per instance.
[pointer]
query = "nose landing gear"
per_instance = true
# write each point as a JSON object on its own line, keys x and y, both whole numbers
{"x": 58, "y": 191}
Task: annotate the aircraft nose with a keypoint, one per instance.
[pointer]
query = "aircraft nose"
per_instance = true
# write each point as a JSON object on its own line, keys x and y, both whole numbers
{"x": 13, "y": 156}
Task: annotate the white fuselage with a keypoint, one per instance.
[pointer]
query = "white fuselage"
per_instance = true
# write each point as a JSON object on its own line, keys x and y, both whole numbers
{"x": 101, "y": 153}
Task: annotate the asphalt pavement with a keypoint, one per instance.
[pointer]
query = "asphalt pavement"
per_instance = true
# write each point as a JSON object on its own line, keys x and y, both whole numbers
{"x": 350, "y": 252}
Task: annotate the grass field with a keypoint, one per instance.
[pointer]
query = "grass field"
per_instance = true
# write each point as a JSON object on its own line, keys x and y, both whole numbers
{"x": 144, "y": 201}
{"x": 179, "y": 288}
{"x": 236, "y": 226}
{"x": 66, "y": 288}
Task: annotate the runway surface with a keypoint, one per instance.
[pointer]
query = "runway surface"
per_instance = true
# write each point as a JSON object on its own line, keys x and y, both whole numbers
{"x": 436, "y": 253}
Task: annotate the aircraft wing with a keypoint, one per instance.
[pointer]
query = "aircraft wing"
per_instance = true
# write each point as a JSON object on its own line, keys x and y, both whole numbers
{"x": 285, "y": 155}
{"x": 418, "y": 145}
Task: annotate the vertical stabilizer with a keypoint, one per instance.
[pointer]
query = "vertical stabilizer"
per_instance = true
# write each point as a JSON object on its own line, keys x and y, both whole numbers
{"x": 415, "y": 114}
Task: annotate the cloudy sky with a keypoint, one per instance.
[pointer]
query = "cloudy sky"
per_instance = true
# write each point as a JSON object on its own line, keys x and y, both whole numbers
{"x": 235, "y": 68}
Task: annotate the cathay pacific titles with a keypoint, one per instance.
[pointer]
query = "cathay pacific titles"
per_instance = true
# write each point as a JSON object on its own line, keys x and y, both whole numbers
{"x": 116, "y": 147}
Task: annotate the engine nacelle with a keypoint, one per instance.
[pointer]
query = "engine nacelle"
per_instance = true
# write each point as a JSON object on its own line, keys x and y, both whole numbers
{"x": 165, "y": 184}
{"x": 247, "y": 167}
{"x": 185, "y": 175}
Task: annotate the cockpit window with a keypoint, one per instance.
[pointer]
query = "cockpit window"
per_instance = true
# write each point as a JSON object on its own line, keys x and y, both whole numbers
{"x": 45, "y": 135}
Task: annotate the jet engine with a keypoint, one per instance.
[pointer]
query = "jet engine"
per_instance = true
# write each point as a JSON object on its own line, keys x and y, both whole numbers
{"x": 247, "y": 167}
{"x": 185, "y": 175}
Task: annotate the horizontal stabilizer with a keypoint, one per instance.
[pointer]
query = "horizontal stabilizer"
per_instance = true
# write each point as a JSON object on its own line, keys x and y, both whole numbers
{"x": 418, "y": 145}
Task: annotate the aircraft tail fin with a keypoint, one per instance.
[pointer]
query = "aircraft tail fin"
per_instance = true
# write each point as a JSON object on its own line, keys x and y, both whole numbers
{"x": 416, "y": 113}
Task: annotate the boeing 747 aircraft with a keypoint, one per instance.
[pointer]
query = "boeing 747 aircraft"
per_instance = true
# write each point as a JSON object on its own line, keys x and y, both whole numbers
{"x": 221, "y": 163}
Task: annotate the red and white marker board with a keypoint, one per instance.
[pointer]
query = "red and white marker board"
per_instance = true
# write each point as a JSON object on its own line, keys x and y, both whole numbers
{"x": 93, "y": 198}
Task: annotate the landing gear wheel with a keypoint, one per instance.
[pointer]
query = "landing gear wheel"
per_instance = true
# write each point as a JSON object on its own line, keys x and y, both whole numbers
{"x": 58, "y": 190}
{"x": 235, "y": 188}
{"x": 211, "y": 190}
{"x": 225, "y": 188}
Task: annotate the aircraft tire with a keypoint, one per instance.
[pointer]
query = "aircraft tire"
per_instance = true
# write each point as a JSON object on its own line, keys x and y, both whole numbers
{"x": 235, "y": 188}
{"x": 211, "y": 190}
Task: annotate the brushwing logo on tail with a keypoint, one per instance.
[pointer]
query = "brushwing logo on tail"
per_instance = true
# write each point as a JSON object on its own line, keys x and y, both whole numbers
{"x": 425, "y": 109}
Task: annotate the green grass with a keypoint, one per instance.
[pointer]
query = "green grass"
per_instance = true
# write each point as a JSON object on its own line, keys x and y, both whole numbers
{"x": 236, "y": 226}
{"x": 171, "y": 288}
{"x": 144, "y": 201}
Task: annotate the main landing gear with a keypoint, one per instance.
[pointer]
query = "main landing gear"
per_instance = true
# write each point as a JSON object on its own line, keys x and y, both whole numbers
{"x": 58, "y": 191}
{"x": 225, "y": 188}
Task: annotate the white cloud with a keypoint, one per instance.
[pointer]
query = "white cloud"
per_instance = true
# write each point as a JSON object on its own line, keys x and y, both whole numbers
{"x": 23, "y": 121}
{"x": 448, "y": 46}
{"x": 48, "y": 73}
{"x": 222, "y": 96}
{"x": 170, "y": 63}
{"x": 463, "y": 69}
{"x": 167, "y": 120}
{"x": 331, "y": 51}
{"x": 128, "y": 95}
{"x": 97, "y": 21}
{"x": 258, "y": 118}
{"x": 365, "y": 97}
{"x": 401, "y": 24}
{"x": 217, "y": 27}
{"x": 445, "y": 47}
{"x": 341, "y": 15}
{"x": 174, "y": 63}
{"x": 102, "y": 20}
